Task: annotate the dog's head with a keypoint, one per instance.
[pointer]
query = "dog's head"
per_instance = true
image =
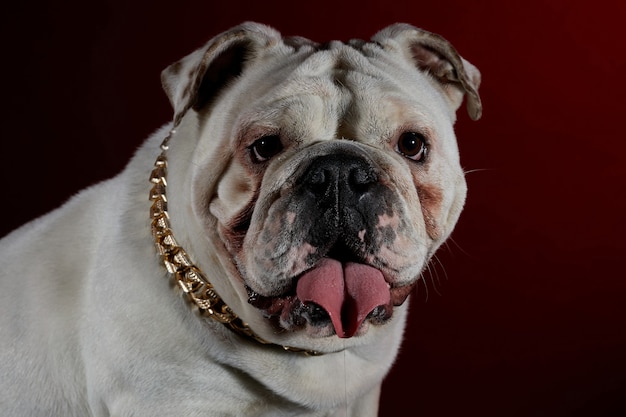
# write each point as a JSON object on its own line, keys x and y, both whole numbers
{"x": 325, "y": 175}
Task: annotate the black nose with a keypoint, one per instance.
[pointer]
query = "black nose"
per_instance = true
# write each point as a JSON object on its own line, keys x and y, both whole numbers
{"x": 339, "y": 176}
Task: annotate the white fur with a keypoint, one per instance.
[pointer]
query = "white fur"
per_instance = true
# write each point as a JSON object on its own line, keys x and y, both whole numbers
{"x": 90, "y": 324}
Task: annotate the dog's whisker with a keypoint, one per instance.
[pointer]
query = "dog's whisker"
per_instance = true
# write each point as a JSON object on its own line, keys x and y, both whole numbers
{"x": 434, "y": 276}
{"x": 471, "y": 171}
{"x": 422, "y": 280}
{"x": 443, "y": 267}
{"x": 451, "y": 240}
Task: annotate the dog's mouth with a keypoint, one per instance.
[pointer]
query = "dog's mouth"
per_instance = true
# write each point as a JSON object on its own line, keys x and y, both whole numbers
{"x": 338, "y": 295}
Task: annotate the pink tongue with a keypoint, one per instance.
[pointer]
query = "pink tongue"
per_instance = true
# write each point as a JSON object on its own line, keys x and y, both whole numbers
{"x": 347, "y": 293}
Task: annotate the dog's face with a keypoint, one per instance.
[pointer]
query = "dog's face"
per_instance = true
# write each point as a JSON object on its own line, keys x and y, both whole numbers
{"x": 330, "y": 172}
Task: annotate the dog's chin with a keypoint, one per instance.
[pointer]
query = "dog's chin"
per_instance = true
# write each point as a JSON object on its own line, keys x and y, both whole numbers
{"x": 296, "y": 310}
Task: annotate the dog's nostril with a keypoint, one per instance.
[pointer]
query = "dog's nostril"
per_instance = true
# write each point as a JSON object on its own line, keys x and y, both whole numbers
{"x": 360, "y": 179}
{"x": 359, "y": 176}
{"x": 318, "y": 181}
{"x": 317, "y": 177}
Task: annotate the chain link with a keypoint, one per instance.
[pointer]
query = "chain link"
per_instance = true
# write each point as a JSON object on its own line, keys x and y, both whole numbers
{"x": 189, "y": 277}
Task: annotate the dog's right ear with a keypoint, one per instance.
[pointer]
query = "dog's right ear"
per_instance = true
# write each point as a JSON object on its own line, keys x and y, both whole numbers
{"x": 197, "y": 79}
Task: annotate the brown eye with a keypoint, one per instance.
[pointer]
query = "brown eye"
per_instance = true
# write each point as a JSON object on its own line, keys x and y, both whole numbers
{"x": 412, "y": 145}
{"x": 266, "y": 147}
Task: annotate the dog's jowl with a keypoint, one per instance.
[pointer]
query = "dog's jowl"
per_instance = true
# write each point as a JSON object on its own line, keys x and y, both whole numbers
{"x": 257, "y": 254}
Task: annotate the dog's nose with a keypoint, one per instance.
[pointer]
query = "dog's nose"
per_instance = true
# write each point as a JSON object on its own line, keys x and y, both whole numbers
{"x": 339, "y": 176}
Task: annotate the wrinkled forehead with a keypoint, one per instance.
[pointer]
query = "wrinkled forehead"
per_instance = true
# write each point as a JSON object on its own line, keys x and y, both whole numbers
{"x": 338, "y": 90}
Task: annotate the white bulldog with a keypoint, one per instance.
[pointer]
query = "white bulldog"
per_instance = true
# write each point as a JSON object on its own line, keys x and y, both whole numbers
{"x": 295, "y": 200}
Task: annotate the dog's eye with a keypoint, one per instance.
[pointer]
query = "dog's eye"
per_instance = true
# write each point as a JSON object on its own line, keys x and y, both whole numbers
{"x": 264, "y": 148}
{"x": 412, "y": 145}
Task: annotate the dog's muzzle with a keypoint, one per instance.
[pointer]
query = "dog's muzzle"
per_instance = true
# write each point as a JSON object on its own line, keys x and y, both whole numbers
{"x": 339, "y": 201}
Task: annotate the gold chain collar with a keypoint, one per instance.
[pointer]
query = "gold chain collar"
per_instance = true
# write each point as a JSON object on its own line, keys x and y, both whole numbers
{"x": 189, "y": 277}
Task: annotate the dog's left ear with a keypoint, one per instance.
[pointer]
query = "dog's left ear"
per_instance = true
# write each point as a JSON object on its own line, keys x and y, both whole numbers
{"x": 197, "y": 79}
{"x": 435, "y": 55}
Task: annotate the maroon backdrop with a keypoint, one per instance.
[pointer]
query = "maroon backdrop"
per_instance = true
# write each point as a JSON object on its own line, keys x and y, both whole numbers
{"x": 523, "y": 314}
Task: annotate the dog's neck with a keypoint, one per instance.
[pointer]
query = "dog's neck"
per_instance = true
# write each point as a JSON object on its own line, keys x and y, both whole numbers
{"x": 189, "y": 277}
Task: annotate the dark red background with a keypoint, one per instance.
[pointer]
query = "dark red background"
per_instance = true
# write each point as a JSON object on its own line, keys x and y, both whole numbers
{"x": 525, "y": 310}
